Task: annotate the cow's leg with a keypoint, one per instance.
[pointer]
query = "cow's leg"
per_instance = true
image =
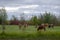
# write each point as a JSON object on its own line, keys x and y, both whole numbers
{"x": 38, "y": 29}
{"x": 44, "y": 29}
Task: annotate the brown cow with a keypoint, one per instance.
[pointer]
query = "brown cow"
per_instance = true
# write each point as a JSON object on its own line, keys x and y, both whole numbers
{"x": 42, "y": 26}
{"x": 46, "y": 24}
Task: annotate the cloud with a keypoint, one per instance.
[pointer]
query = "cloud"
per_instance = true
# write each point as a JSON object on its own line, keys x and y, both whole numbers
{"x": 56, "y": 7}
{"x": 30, "y": 11}
{"x": 12, "y": 9}
{"x": 29, "y": 6}
{"x": 33, "y": 9}
{"x": 51, "y": 6}
{"x": 26, "y": 12}
{"x": 17, "y": 8}
{"x": 19, "y": 2}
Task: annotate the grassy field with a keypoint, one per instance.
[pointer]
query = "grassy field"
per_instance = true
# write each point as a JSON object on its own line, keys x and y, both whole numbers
{"x": 13, "y": 32}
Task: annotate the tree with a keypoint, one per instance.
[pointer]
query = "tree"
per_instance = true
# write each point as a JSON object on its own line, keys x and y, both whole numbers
{"x": 3, "y": 18}
{"x": 34, "y": 20}
{"x": 54, "y": 20}
{"x": 3, "y": 15}
{"x": 22, "y": 19}
{"x": 50, "y": 18}
{"x": 47, "y": 17}
{"x": 14, "y": 20}
{"x": 0, "y": 16}
{"x": 40, "y": 19}
{"x": 58, "y": 18}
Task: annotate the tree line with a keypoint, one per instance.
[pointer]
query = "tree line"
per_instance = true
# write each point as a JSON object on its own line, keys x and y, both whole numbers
{"x": 47, "y": 17}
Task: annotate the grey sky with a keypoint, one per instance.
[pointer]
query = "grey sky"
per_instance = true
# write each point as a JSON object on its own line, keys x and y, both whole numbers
{"x": 30, "y": 7}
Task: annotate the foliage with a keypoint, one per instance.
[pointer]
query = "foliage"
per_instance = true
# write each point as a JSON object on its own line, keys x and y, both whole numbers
{"x": 47, "y": 17}
{"x": 14, "y": 21}
{"x": 34, "y": 20}
{"x": 3, "y": 15}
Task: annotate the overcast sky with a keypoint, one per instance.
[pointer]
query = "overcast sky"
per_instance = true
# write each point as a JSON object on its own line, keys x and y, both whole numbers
{"x": 29, "y": 7}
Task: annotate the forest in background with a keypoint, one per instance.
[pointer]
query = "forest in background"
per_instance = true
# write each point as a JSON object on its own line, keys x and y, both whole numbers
{"x": 47, "y": 17}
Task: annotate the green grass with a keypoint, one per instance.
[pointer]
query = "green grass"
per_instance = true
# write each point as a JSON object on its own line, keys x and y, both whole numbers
{"x": 30, "y": 33}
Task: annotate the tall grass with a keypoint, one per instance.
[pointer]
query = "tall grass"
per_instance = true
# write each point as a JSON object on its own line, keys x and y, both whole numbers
{"x": 32, "y": 36}
{"x": 30, "y": 33}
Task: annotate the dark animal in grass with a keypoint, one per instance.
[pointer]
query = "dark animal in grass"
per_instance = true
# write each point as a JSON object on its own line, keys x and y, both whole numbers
{"x": 41, "y": 27}
{"x": 50, "y": 26}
